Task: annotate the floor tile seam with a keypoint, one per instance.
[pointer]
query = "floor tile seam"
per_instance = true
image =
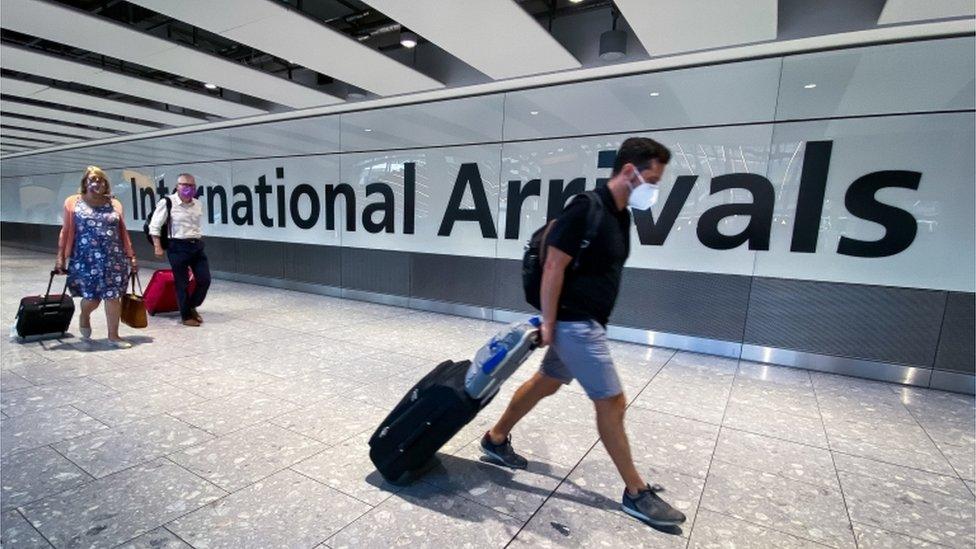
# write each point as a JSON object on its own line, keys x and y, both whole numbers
{"x": 775, "y": 437}
{"x": 701, "y": 424}
{"x": 909, "y": 450}
{"x": 243, "y": 487}
{"x": 299, "y": 404}
{"x": 772, "y": 409}
{"x": 154, "y": 457}
{"x": 73, "y": 408}
{"x": 64, "y": 381}
{"x": 711, "y": 458}
{"x": 328, "y": 444}
{"x": 35, "y": 528}
{"x": 767, "y": 527}
{"x": 177, "y": 536}
{"x": 114, "y": 473}
{"x": 469, "y": 499}
{"x": 49, "y": 408}
{"x": 86, "y": 482}
{"x": 789, "y": 391}
{"x": 893, "y": 464}
{"x": 86, "y": 414}
{"x": 833, "y": 461}
{"x": 191, "y": 472}
{"x": 327, "y": 485}
{"x": 711, "y": 381}
{"x": 889, "y": 531}
{"x": 937, "y": 447}
{"x": 208, "y": 400}
{"x": 353, "y": 521}
{"x": 780, "y": 476}
{"x": 22, "y": 378}
{"x": 927, "y": 491}
{"x": 251, "y": 444}
{"x": 672, "y": 414}
{"x": 239, "y": 428}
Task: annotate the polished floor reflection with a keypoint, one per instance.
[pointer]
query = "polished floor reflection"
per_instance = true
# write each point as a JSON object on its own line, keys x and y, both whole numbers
{"x": 251, "y": 432}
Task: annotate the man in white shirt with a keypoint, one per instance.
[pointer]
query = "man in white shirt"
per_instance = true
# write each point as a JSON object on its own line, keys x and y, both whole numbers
{"x": 185, "y": 250}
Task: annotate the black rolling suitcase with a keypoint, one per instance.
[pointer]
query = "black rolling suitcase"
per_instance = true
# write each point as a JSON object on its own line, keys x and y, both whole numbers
{"x": 431, "y": 413}
{"x": 45, "y": 314}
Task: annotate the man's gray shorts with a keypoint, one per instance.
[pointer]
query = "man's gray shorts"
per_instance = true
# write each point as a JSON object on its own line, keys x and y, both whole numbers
{"x": 580, "y": 351}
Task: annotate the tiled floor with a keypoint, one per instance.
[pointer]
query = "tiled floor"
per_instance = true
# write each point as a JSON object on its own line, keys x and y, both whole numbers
{"x": 251, "y": 432}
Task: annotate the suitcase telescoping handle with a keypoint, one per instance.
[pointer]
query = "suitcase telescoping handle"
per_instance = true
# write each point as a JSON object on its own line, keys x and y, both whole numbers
{"x": 55, "y": 272}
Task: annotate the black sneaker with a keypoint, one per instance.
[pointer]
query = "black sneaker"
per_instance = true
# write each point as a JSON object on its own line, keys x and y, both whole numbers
{"x": 648, "y": 507}
{"x": 503, "y": 454}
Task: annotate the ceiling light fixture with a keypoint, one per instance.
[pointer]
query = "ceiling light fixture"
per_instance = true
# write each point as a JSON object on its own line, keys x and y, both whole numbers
{"x": 613, "y": 43}
{"x": 810, "y": 86}
{"x": 533, "y": 113}
{"x": 408, "y": 39}
{"x": 367, "y": 129}
{"x": 210, "y": 86}
{"x": 655, "y": 94}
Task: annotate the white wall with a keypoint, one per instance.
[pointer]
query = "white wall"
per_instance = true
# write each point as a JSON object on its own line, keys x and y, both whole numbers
{"x": 904, "y": 107}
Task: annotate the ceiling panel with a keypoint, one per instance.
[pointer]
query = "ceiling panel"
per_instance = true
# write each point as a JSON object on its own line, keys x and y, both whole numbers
{"x": 50, "y": 66}
{"x": 666, "y": 27}
{"x": 80, "y": 29}
{"x": 28, "y": 134}
{"x": 22, "y": 88}
{"x": 909, "y": 11}
{"x": 13, "y": 107}
{"x": 273, "y": 28}
{"x": 53, "y": 127}
{"x": 24, "y": 142}
{"x": 497, "y": 37}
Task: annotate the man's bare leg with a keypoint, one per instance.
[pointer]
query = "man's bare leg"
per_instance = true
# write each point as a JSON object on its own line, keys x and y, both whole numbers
{"x": 496, "y": 443}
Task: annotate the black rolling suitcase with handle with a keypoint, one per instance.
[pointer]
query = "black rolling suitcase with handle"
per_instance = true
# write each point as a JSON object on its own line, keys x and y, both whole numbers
{"x": 45, "y": 314}
{"x": 431, "y": 413}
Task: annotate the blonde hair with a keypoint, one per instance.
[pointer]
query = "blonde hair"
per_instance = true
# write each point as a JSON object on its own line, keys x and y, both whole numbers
{"x": 89, "y": 171}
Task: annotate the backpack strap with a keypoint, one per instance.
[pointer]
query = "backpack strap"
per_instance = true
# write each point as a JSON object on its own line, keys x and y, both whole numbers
{"x": 594, "y": 217}
{"x": 169, "y": 218}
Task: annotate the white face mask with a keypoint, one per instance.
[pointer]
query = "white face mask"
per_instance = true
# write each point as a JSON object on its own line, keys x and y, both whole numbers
{"x": 644, "y": 196}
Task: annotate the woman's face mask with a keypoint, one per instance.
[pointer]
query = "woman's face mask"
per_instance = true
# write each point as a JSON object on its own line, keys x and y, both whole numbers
{"x": 96, "y": 185}
{"x": 644, "y": 195}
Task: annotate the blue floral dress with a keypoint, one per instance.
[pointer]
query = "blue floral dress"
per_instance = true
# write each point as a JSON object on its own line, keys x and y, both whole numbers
{"x": 98, "y": 268}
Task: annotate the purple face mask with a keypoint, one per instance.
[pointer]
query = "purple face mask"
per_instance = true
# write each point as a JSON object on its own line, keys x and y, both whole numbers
{"x": 187, "y": 192}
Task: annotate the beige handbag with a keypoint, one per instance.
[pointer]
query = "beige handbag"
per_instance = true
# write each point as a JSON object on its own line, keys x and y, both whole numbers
{"x": 133, "y": 306}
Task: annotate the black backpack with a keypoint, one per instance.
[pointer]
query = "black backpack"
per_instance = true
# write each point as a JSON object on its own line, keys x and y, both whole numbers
{"x": 164, "y": 234}
{"x": 534, "y": 258}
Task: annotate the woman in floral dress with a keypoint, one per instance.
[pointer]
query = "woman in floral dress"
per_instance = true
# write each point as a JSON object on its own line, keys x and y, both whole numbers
{"x": 95, "y": 250}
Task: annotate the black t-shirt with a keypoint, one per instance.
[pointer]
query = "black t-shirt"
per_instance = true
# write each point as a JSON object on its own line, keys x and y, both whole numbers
{"x": 590, "y": 291}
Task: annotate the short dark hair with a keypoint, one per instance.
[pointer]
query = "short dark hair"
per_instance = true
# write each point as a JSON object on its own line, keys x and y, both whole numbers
{"x": 639, "y": 151}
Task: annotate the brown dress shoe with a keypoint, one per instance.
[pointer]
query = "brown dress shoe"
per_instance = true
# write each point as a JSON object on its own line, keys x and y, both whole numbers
{"x": 191, "y": 322}
{"x": 196, "y": 316}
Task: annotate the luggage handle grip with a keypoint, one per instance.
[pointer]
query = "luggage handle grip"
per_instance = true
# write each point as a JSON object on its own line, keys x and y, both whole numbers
{"x": 55, "y": 272}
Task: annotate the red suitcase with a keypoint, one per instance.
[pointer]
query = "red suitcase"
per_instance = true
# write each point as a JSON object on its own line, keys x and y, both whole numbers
{"x": 160, "y": 293}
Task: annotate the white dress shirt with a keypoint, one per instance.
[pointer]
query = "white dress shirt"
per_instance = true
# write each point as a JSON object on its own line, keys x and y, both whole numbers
{"x": 186, "y": 218}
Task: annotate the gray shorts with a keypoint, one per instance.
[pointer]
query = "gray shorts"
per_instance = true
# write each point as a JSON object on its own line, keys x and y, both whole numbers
{"x": 579, "y": 351}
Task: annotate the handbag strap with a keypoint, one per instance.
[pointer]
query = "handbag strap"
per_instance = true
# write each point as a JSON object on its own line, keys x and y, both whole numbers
{"x": 134, "y": 279}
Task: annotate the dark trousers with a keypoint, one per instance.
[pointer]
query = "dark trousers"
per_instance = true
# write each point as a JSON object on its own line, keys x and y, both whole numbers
{"x": 187, "y": 255}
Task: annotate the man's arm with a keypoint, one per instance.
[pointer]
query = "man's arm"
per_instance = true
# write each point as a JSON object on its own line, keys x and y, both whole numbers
{"x": 156, "y": 226}
{"x": 553, "y": 274}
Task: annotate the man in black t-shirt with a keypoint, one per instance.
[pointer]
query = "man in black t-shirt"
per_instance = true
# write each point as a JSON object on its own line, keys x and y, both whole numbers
{"x": 576, "y": 305}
